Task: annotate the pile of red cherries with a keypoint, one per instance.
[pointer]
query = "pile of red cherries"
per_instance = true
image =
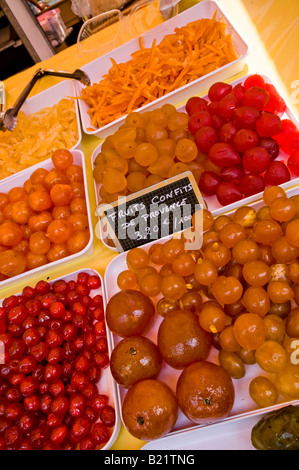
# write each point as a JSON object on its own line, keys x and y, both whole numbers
{"x": 241, "y": 130}
{"x": 55, "y": 345}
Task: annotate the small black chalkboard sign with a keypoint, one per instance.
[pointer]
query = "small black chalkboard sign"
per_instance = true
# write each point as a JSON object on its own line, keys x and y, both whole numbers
{"x": 163, "y": 209}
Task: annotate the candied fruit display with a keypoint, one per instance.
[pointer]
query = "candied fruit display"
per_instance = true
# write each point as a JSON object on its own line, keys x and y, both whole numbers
{"x": 45, "y": 219}
{"x": 226, "y": 311}
{"x": 56, "y": 352}
{"x": 236, "y": 142}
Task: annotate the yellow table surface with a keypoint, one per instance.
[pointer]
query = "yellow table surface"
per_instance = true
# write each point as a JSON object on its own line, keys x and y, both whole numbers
{"x": 271, "y": 27}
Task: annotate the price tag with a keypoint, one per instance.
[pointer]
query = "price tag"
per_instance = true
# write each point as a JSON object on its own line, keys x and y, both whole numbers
{"x": 156, "y": 212}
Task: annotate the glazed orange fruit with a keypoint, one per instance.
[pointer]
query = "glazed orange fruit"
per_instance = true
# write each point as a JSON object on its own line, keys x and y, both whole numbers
{"x": 150, "y": 409}
{"x": 205, "y": 392}
{"x": 133, "y": 359}
{"x": 129, "y": 312}
{"x": 181, "y": 340}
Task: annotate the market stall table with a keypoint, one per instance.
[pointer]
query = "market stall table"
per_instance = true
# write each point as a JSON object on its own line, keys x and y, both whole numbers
{"x": 271, "y": 29}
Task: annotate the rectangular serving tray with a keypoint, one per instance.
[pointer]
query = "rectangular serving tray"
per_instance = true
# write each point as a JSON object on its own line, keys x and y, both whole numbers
{"x": 244, "y": 407}
{"x": 99, "y": 67}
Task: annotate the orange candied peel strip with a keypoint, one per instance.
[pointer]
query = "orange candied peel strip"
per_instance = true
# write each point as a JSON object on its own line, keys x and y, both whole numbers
{"x": 187, "y": 54}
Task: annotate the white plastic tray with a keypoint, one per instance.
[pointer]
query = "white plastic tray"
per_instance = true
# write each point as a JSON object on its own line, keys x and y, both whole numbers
{"x": 48, "y": 98}
{"x": 244, "y": 406}
{"x": 18, "y": 180}
{"x": 99, "y": 67}
{"x": 211, "y": 201}
{"x": 106, "y": 384}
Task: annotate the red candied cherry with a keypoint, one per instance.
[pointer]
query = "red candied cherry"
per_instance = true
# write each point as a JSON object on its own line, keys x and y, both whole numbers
{"x": 6, "y": 339}
{"x": 101, "y": 359}
{"x": 28, "y": 292}
{"x": 59, "y": 405}
{"x": 256, "y": 160}
{"x": 10, "y": 302}
{"x": 60, "y": 287}
{"x": 102, "y": 344}
{"x": 31, "y": 403}
{"x": 72, "y": 297}
{"x": 27, "y": 364}
{"x": 227, "y": 132}
{"x": 52, "y": 372}
{"x": 16, "y": 378}
{"x": 87, "y": 444}
{"x": 53, "y": 420}
{"x": 218, "y": 90}
{"x": 2, "y": 314}
{"x": 12, "y": 437}
{"x": 284, "y": 137}
{"x": 55, "y": 355}
{"x": 195, "y": 104}
{"x": 28, "y": 386}
{"x": 59, "y": 434}
{"x": 276, "y": 103}
{"x": 254, "y": 80}
{"x": 80, "y": 429}
{"x": 94, "y": 282}
{"x": 256, "y": 97}
{"x": 69, "y": 332}
{"x": 239, "y": 92}
{"x": 99, "y": 328}
{"x": 39, "y": 436}
{"x": 4, "y": 423}
{"x": 57, "y": 310}
{"x": 293, "y": 163}
{"x": 45, "y": 403}
{"x": 12, "y": 394}
{"x": 31, "y": 337}
{"x": 107, "y": 416}
{"x": 17, "y": 314}
{"x": 99, "y": 434}
{"x": 76, "y": 404}
{"x": 29, "y": 322}
{"x": 227, "y": 106}
{"x": 5, "y": 372}
{"x": 80, "y": 321}
{"x": 2, "y": 443}
{"x": 78, "y": 308}
{"x": 27, "y": 422}
{"x": 213, "y": 107}
{"x": 251, "y": 184}
{"x": 98, "y": 313}
{"x": 90, "y": 391}
{"x": 48, "y": 299}
{"x": 269, "y": 144}
{"x": 277, "y": 173}
{"x": 99, "y": 402}
{"x": 78, "y": 344}
{"x": 14, "y": 411}
{"x": 82, "y": 289}
{"x": 43, "y": 387}
{"x": 79, "y": 380}
{"x": 71, "y": 285}
{"x": 33, "y": 307}
{"x": 50, "y": 446}
{"x": 16, "y": 349}
{"x": 43, "y": 318}
{"x": 198, "y": 120}
{"x": 228, "y": 193}
{"x": 82, "y": 278}
{"x": 81, "y": 363}
{"x": 232, "y": 173}
{"x": 89, "y": 339}
{"x": 56, "y": 387}
{"x": 42, "y": 287}
{"x": 245, "y": 139}
{"x": 268, "y": 124}
{"x": 94, "y": 373}
{"x": 97, "y": 301}
{"x": 39, "y": 372}
{"x": 294, "y": 140}
{"x": 15, "y": 330}
{"x": 67, "y": 369}
{"x": 246, "y": 117}
{"x": 54, "y": 338}
{"x": 223, "y": 155}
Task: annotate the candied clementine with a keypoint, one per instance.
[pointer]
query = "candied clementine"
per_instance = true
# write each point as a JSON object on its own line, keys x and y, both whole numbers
{"x": 62, "y": 159}
{"x": 59, "y": 231}
{"x": 78, "y": 241}
{"x": 10, "y": 234}
{"x": 39, "y": 201}
{"x": 61, "y": 194}
{"x": 12, "y": 263}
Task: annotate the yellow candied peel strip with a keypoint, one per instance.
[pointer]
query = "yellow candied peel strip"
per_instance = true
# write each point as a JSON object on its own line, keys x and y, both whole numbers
{"x": 37, "y": 136}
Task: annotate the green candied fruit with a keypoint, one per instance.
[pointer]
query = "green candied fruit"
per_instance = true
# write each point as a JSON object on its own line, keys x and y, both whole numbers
{"x": 278, "y": 430}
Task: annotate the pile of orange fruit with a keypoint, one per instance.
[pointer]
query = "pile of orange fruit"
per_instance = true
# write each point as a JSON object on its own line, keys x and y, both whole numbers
{"x": 45, "y": 219}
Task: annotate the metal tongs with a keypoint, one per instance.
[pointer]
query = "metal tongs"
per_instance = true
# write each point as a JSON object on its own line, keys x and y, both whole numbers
{"x": 8, "y": 118}
{"x": 169, "y": 8}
